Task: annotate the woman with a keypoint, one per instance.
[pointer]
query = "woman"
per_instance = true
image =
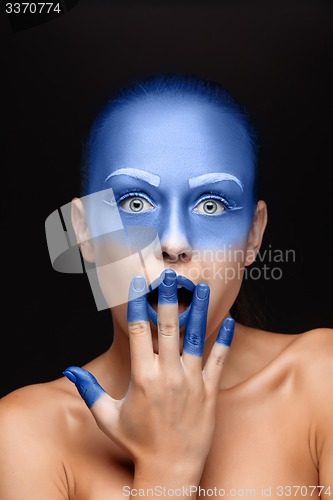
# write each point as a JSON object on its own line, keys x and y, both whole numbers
{"x": 185, "y": 402}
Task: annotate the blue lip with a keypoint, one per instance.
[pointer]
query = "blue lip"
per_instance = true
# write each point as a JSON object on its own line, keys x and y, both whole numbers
{"x": 182, "y": 281}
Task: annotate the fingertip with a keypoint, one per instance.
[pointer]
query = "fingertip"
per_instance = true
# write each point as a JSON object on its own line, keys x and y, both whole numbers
{"x": 167, "y": 289}
{"x": 86, "y": 384}
{"x": 226, "y": 332}
{"x": 69, "y": 375}
{"x": 137, "y": 300}
{"x": 195, "y": 332}
{"x": 138, "y": 287}
{"x": 202, "y": 291}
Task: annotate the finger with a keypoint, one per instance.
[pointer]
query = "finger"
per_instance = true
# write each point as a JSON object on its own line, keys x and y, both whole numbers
{"x": 168, "y": 319}
{"x": 102, "y": 406}
{"x": 195, "y": 333}
{"x": 214, "y": 365}
{"x": 141, "y": 344}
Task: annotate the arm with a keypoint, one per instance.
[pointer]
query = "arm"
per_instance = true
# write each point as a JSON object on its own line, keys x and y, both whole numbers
{"x": 166, "y": 420}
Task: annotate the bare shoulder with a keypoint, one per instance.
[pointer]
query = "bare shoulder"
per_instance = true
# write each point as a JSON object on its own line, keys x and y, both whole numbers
{"x": 31, "y": 406}
{"x": 304, "y": 345}
{"x": 306, "y": 356}
{"x": 314, "y": 348}
{"x": 32, "y": 432}
{"x": 314, "y": 352}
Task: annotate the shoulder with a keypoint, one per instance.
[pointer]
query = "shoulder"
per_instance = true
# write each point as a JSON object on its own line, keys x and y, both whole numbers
{"x": 314, "y": 348}
{"x": 28, "y": 414}
{"x": 44, "y": 411}
{"x": 316, "y": 376}
{"x": 32, "y": 433}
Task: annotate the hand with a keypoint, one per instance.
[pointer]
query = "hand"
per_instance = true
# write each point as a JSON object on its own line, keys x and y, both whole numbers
{"x": 168, "y": 413}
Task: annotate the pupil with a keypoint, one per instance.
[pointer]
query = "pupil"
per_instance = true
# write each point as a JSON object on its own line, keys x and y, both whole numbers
{"x": 136, "y": 205}
{"x": 210, "y": 207}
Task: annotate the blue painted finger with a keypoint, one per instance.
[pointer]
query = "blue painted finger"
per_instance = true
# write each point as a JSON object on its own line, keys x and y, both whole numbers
{"x": 137, "y": 309}
{"x": 195, "y": 333}
{"x": 226, "y": 332}
{"x": 167, "y": 289}
{"x": 86, "y": 384}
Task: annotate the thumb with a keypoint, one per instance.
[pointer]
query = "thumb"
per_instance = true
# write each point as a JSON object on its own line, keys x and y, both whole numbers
{"x": 102, "y": 406}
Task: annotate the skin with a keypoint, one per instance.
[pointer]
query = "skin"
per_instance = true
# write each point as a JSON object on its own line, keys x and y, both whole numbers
{"x": 163, "y": 407}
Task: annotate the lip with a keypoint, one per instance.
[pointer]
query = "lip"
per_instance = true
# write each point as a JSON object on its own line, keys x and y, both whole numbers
{"x": 181, "y": 281}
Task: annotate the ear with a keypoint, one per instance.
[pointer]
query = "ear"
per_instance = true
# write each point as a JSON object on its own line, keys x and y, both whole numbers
{"x": 81, "y": 230}
{"x": 256, "y": 233}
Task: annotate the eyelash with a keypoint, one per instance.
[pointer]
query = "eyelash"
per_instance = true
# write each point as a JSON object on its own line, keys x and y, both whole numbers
{"x": 209, "y": 196}
{"x": 131, "y": 194}
{"x": 214, "y": 196}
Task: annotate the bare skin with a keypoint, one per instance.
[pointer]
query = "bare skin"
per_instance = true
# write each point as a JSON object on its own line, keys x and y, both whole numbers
{"x": 273, "y": 426}
{"x": 252, "y": 420}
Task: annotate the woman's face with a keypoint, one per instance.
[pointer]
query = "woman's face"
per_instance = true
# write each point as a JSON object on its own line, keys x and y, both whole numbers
{"x": 181, "y": 170}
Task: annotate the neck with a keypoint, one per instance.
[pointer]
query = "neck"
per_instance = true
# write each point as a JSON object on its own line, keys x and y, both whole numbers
{"x": 113, "y": 368}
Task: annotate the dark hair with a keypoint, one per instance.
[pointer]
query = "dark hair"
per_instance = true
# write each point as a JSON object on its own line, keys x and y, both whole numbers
{"x": 245, "y": 309}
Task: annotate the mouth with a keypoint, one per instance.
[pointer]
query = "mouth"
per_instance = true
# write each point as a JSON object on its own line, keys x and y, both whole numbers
{"x": 185, "y": 294}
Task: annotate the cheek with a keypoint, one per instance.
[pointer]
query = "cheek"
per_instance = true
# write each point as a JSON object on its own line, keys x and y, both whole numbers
{"x": 223, "y": 271}
{"x": 222, "y": 233}
{"x": 118, "y": 258}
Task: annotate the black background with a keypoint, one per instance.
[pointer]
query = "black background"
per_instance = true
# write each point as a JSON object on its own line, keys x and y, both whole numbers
{"x": 275, "y": 57}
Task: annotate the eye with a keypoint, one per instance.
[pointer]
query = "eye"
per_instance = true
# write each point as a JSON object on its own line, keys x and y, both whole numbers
{"x": 210, "y": 207}
{"x": 136, "y": 204}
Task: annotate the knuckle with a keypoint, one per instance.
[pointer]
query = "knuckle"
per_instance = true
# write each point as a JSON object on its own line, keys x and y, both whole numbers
{"x": 173, "y": 384}
{"x": 194, "y": 340}
{"x": 143, "y": 380}
{"x": 219, "y": 360}
{"x": 167, "y": 329}
{"x": 137, "y": 327}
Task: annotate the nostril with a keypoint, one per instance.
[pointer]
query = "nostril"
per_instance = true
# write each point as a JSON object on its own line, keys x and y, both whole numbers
{"x": 176, "y": 257}
{"x": 185, "y": 256}
{"x": 170, "y": 257}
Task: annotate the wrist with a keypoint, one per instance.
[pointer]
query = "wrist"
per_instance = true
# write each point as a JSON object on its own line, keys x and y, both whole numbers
{"x": 170, "y": 474}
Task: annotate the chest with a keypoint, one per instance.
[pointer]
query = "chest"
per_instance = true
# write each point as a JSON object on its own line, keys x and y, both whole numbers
{"x": 261, "y": 443}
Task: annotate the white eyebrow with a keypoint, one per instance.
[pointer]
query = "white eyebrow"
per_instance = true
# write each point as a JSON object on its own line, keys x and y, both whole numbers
{"x": 200, "y": 180}
{"x": 143, "y": 175}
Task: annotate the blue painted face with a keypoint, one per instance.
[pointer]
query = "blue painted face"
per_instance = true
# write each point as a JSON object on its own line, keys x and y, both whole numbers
{"x": 182, "y": 168}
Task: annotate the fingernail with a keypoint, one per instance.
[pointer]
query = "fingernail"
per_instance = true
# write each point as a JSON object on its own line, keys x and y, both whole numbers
{"x": 169, "y": 277}
{"x": 70, "y": 376}
{"x": 138, "y": 284}
{"x": 167, "y": 290}
{"x": 226, "y": 332}
{"x": 201, "y": 291}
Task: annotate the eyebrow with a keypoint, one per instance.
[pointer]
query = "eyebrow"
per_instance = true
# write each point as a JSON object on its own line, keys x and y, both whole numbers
{"x": 143, "y": 175}
{"x": 200, "y": 180}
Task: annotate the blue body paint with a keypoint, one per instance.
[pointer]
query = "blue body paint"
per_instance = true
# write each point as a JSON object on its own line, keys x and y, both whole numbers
{"x": 137, "y": 309}
{"x": 226, "y": 332}
{"x": 181, "y": 163}
{"x": 86, "y": 384}
{"x": 183, "y": 317}
{"x": 197, "y": 150}
{"x": 194, "y": 340}
{"x": 167, "y": 290}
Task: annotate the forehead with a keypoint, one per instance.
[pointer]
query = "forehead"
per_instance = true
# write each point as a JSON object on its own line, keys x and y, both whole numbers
{"x": 173, "y": 137}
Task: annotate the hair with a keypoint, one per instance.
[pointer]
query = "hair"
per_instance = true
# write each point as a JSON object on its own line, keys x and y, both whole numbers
{"x": 164, "y": 86}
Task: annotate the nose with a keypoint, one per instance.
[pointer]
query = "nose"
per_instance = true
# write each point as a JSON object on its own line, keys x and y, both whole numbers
{"x": 175, "y": 236}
